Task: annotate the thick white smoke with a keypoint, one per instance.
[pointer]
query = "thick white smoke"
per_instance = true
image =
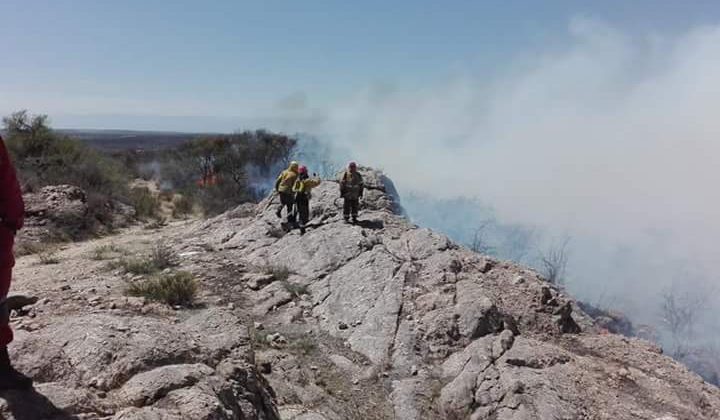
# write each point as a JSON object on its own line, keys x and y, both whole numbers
{"x": 613, "y": 139}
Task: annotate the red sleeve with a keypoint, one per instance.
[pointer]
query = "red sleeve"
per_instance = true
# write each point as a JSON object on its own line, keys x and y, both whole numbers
{"x": 12, "y": 208}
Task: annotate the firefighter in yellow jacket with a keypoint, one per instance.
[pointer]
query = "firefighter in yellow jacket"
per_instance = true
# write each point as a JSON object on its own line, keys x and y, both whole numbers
{"x": 303, "y": 185}
{"x": 284, "y": 187}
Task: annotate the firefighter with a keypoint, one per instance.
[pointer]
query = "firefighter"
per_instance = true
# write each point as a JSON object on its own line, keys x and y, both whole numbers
{"x": 284, "y": 187}
{"x": 302, "y": 188}
{"x": 351, "y": 190}
{"x": 12, "y": 211}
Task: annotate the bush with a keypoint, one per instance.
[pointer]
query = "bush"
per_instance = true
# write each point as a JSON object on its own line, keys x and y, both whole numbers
{"x": 182, "y": 206}
{"x": 48, "y": 256}
{"x": 279, "y": 272}
{"x": 162, "y": 256}
{"x": 103, "y": 252}
{"x": 44, "y": 157}
{"x": 177, "y": 288}
{"x": 136, "y": 266}
{"x": 23, "y": 248}
{"x": 146, "y": 205}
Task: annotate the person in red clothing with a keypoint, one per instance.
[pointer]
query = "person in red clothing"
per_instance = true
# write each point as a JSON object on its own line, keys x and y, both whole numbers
{"x": 12, "y": 211}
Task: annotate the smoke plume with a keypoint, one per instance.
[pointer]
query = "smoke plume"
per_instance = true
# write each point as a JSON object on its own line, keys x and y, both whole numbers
{"x": 610, "y": 139}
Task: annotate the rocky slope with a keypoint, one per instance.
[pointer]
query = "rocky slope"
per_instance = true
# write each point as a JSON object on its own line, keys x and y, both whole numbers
{"x": 371, "y": 321}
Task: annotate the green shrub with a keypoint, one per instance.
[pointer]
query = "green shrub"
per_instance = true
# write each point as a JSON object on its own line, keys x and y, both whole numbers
{"x": 136, "y": 266}
{"x": 146, "y": 205}
{"x": 177, "y": 288}
{"x": 161, "y": 257}
{"x": 44, "y": 157}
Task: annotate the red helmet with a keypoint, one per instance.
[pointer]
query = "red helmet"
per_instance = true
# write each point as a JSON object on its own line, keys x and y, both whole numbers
{"x": 302, "y": 169}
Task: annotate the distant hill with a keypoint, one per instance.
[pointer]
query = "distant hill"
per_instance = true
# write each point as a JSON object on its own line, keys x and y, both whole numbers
{"x": 117, "y": 140}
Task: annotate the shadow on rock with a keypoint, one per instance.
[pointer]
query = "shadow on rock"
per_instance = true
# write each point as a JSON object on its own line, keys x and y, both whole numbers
{"x": 30, "y": 405}
{"x": 371, "y": 224}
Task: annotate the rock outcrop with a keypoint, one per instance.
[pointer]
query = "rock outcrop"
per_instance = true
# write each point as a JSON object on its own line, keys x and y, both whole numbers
{"x": 446, "y": 332}
{"x": 61, "y": 212}
{"x": 377, "y": 320}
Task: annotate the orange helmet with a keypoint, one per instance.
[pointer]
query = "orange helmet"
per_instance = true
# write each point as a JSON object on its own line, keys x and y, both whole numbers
{"x": 302, "y": 169}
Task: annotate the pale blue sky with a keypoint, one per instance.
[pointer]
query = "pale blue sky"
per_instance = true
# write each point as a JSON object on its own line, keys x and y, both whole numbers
{"x": 118, "y": 64}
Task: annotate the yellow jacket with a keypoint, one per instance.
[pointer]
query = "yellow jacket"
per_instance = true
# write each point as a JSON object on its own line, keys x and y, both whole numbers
{"x": 286, "y": 179}
{"x": 304, "y": 186}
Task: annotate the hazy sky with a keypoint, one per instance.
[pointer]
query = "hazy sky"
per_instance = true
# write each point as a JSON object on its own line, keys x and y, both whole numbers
{"x": 121, "y": 64}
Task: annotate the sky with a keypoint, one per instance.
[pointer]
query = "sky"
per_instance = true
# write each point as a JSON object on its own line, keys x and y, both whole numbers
{"x": 223, "y": 65}
{"x": 591, "y": 119}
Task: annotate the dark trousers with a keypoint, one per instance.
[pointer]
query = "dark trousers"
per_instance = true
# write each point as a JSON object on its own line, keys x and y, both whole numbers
{"x": 351, "y": 206}
{"x": 287, "y": 200}
{"x": 302, "y": 204}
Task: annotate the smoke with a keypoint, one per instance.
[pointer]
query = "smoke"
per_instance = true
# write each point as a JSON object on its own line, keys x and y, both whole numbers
{"x": 609, "y": 138}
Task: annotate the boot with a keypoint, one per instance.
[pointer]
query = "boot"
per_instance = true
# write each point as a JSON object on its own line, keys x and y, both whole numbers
{"x": 9, "y": 377}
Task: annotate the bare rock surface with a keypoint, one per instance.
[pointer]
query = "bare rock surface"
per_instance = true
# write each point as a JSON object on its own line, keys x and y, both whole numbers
{"x": 95, "y": 353}
{"x": 377, "y": 320}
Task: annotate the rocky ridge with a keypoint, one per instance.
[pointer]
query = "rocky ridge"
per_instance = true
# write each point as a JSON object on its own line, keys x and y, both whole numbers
{"x": 371, "y": 321}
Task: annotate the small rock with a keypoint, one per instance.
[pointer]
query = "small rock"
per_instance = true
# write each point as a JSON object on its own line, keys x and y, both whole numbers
{"x": 517, "y": 387}
{"x": 313, "y": 367}
{"x": 519, "y": 280}
{"x": 265, "y": 368}
{"x": 65, "y": 288}
{"x": 342, "y": 325}
{"x": 259, "y": 326}
{"x": 413, "y": 370}
{"x": 231, "y": 306}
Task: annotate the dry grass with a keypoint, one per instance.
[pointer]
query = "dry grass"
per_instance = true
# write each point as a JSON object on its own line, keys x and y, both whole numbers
{"x": 179, "y": 288}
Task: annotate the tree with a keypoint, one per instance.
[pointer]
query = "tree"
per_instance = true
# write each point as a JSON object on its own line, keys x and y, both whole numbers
{"x": 479, "y": 242}
{"x": 28, "y": 135}
{"x": 680, "y": 312}
{"x": 554, "y": 261}
{"x": 517, "y": 241}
